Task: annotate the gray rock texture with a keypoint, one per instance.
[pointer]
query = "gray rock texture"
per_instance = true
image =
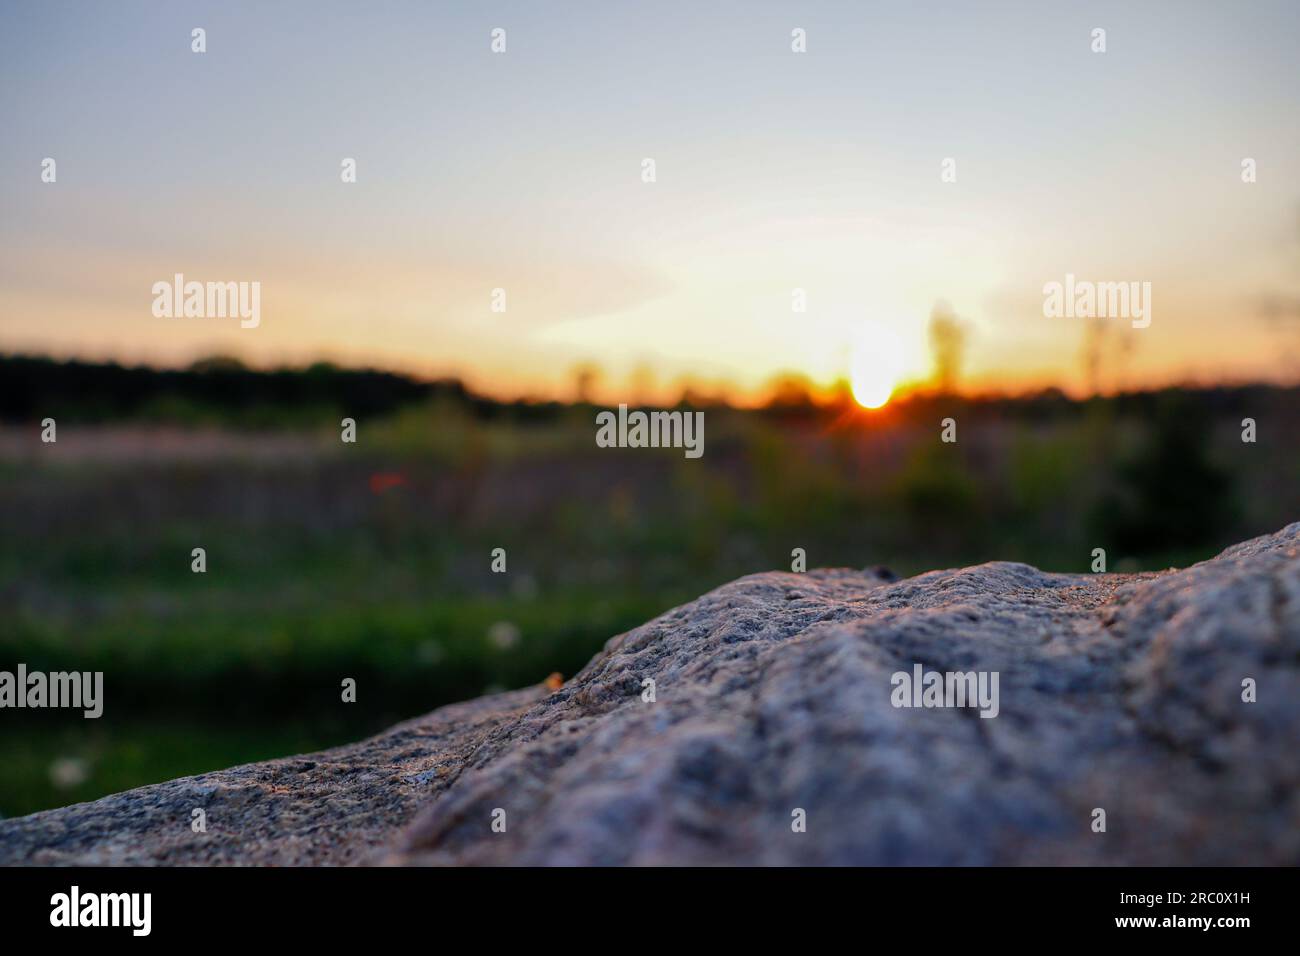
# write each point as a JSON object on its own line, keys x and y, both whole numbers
{"x": 1120, "y": 692}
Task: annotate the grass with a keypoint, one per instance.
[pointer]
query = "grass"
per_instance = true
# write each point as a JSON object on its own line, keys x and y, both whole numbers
{"x": 49, "y": 766}
{"x": 316, "y": 573}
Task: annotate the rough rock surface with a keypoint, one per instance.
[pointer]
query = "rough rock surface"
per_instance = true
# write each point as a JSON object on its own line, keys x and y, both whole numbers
{"x": 1122, "y": 692}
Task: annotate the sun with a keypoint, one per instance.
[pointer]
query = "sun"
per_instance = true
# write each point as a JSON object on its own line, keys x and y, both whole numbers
{"x": 876, "y": 365}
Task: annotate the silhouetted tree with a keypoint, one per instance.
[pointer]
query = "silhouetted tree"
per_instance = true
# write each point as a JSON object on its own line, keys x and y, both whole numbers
{"x": 947, "y": 345}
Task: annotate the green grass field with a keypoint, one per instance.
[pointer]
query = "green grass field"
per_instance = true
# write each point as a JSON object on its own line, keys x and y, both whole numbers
{"x": 372, "y": 561}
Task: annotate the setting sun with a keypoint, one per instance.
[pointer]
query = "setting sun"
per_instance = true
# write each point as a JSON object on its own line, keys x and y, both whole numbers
{"x": 877, "y": 364}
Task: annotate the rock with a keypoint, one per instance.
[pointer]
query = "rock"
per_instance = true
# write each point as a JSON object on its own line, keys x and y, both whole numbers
{"x": 773, "y": 694}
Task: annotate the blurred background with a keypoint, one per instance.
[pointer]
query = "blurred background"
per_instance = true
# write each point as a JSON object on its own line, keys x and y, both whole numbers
{"x": 372, "y": 561}
{"x": 798, "y": 269}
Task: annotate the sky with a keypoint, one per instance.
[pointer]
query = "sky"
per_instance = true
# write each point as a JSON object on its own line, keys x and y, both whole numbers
{"x": 774, "y": 171}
